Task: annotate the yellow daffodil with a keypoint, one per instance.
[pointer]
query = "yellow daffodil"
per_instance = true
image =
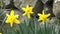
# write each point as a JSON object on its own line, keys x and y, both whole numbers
{"x": 43, "y": 17}
{"x": 12, "y": 18}
{"x": 27, "y": 10}
{"x": 0, "y": 33}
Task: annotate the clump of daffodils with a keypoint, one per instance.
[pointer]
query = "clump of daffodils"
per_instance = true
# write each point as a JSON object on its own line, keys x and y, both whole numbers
{"x": 28, "y": 11}
{"x": 12, "y": 18}
{"x": 43, "y": 17}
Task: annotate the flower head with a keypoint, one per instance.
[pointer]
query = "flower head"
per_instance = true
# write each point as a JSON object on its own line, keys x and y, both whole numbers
{"x": 27, "y": 10}
{"x": 43, "y": 17}
{"x": 12, "y": 18}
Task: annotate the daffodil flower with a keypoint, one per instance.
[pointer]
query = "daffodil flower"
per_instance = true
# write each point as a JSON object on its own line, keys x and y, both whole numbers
{"x": 12, "y": 18}
{"x": 27, "y": 10}
{"x": 43, "y": 17}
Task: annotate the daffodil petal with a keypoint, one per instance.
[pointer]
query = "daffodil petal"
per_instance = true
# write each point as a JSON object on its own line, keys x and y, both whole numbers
{"x": 16, "y": 16}
{"x": 11, "y": 24}
{"x": 27, "y": 6}
{"x": 23, "y": 9}
{"x": 47, "y": 15}
{"x": 24, "y": 14}
{"x": 17, "y": 21}
{"x": 28, "y": 15}
{"x": 43, "y": 22}
{"x": 43, "y": 12}
{"x": 6, "y": 21}
{"x": 31, "y": 12}
{"x": 39, "y": 19}
{"x": 47, "y": 19}
{"x": 7, "y": 14}
{"x": 39, "y": 14}
{"x": 12, "y": 12}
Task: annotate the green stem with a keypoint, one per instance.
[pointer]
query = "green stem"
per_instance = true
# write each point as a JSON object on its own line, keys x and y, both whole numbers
{"x": 35, "y": 28}
{"x": 35, "y": 24}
